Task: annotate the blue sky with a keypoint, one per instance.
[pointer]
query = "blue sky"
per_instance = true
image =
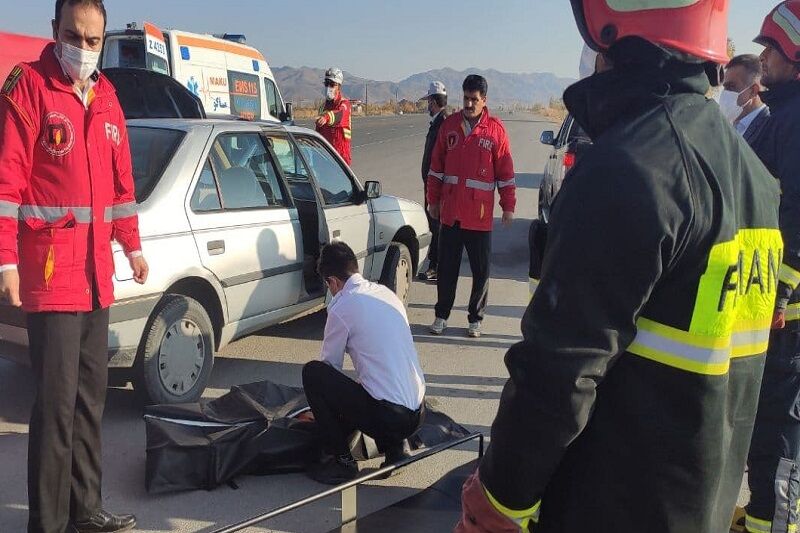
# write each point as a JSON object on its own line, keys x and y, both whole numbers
{"x": 383, "y": 40}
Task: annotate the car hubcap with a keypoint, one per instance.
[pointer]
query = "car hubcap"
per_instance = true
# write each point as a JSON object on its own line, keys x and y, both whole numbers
{"x": 403, "y": 274}
{"x": 181, "y": 357}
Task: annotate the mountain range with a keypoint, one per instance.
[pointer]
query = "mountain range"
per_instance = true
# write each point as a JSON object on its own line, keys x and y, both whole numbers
{"x": 303, "y": 85}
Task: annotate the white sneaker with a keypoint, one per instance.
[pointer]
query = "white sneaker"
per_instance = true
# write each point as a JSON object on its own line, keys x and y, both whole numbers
{"x": 438, "y": 326}
{"x": 474, "y": 330}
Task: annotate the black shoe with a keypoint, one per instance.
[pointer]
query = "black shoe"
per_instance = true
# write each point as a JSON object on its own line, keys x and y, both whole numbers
{"x": 428, "y": 275}
{"x": 334, "y": 470}
{"x": 105, "y": 522}
{"x": 394, "y": 455}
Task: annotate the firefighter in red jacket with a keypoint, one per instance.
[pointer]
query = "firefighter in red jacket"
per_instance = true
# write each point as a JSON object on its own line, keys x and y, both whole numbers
{"x": 471, "y": 159}
{"x": 66, "y": 190}
{"x": 334, "y": 122}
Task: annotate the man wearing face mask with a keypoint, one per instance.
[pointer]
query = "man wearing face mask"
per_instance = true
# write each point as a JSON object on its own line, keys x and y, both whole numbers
{"x": 630, "y": 402}
{"x": 66, "y": 190}
{"x": 334, "y": 122}
{"x": 437, "y": 109}
{"x": 740, "y": 101}
{"x": 774, "y": 459}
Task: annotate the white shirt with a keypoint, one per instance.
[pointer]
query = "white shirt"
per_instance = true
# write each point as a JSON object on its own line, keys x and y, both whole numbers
{"x": 369, "y": 322}
{"x": 748, "y": 119}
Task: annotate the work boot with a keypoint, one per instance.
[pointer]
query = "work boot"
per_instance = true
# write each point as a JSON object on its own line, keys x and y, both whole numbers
{"x": 104, "y": 522}
{"x": 429, "y": 275}
{"x": 474, "y": 330}
{"x": 438, "y": 326}
{"x": 334, "y": 470}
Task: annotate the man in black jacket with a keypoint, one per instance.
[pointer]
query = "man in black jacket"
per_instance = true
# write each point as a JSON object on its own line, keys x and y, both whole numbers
{"x": 631, "y": 400}
{"x": 437, "y": 108}
{"x": 774, "y": 459}
{"x": 741, "y": 101}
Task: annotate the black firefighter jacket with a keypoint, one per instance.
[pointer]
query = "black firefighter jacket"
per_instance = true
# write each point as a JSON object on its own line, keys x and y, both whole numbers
{"x": 631, "y": 399}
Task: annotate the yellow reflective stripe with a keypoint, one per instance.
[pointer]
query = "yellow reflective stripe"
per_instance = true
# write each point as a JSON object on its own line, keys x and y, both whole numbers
{"x": 347, "y": 133}
{"x": 701, "y": 354}
{"x": 522, "y": 518}
{"x": 792, "y": 528}
{"x": 756, "y": 525}
{"x": 793, "y": 312}
{"x": 789, "y": 276}
{"x": 331, "y": 118}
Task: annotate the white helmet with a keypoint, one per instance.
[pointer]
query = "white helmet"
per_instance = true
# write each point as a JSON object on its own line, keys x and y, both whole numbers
{"x": 335, "y": 75}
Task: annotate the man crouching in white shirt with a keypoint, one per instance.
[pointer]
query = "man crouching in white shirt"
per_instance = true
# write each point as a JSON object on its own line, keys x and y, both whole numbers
{"x": 369, "y": 322}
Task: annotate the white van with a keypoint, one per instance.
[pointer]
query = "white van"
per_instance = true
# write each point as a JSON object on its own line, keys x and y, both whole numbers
{"x": 229, "y": 77}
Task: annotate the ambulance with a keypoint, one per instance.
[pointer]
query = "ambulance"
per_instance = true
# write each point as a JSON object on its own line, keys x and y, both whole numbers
{"x": 229, "y": 77}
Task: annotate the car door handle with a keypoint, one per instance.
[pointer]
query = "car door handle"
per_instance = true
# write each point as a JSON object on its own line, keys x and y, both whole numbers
{"x": 216, "y": 247}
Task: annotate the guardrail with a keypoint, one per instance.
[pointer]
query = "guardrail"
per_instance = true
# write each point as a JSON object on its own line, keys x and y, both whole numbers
{"x": 349, "y": 490}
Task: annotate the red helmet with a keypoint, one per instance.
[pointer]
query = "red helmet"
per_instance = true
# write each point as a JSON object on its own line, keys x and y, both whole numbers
{"x": 698, "y": 28}
{"x": 781, "y": 29}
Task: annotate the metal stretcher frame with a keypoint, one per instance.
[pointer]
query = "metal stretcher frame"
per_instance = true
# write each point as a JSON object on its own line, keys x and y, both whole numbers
{"x": 349, "y": 490}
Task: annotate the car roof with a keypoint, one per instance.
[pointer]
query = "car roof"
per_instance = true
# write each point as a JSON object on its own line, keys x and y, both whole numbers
{"x": 189, "y": 124}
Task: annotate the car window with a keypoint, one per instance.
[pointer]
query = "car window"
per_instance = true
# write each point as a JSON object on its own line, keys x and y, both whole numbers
{"x": 245, "y": 173}
{"x": 563, "y": 133}
{"x": 288, "y": 158}
{"x": 151, "y": 151}
{"x": 576, "y": 133}
{"x": 206, "y": 195}
{"x": 336, "y": 186}
{"x": 272, "y": 98}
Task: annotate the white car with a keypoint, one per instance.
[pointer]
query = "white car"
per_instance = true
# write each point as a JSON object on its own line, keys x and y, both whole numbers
{"x": 232, "y": 216}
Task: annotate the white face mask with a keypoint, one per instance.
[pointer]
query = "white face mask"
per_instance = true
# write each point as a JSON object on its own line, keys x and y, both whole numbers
{"x": 79, "y": 64}
{"x": 729, "y": 104}
{"x": 330, "y": 93}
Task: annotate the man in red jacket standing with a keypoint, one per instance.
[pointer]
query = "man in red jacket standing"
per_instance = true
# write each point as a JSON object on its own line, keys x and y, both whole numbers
{"x": 334, "y": 122}
{"x": 66, "y": 190}
{"x": 471, "y": 158}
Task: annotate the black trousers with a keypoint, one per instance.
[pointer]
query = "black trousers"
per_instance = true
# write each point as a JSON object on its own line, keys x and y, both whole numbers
{"x": 452, "y": 241}
{"x": 433, "y": 223}
{"x": 341, "y": 406}
{"x": 69, "y": 355}
{"x": 774, "y": 458}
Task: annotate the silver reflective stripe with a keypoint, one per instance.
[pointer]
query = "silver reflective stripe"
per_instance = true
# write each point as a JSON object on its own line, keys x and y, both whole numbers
{"x": 52, "y": 214}
{"x": 9, "y": 209}
{"x": 437, "y": 175}
{"x": 453, "y": 180}
{"x": 783, "y": 494}
{"x": 480, "y": 185}
{"x": 506, "y": 183}
{"x": 120, "y": 211}
{"x": 789, "y": 22}
{"x": 748, "y": 338}
{"x": 687, "y": 351}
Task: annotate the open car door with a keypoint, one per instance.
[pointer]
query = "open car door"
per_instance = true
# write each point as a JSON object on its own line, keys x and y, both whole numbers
{"x": 147, "y": 94}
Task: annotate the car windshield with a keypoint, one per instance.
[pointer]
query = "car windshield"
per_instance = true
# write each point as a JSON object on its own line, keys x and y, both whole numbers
{"x": 151, "y": 151}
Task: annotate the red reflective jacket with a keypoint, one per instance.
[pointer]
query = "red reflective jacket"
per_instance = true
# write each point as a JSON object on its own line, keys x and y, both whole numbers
{"x": 66, "y": 187}
{"x": 337, "y": 130}
{"x": 466, "y": 169}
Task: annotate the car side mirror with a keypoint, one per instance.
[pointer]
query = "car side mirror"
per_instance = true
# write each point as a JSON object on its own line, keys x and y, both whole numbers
{"x": 548, "y": 137}
{"x": 373, "y": 189}
{"x": 288, "y": 115}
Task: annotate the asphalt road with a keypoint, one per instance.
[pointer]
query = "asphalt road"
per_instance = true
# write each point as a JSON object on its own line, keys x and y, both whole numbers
{"x": 464, "y": 376}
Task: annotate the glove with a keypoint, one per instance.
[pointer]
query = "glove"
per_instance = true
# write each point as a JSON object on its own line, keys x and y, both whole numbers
{"x": 779, "y": 319}
{"x": 478, "y": 515}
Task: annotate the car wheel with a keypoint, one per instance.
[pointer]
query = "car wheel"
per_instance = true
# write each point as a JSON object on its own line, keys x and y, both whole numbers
{"x": 177, "y": 352}
{"x": 398, "y": 270}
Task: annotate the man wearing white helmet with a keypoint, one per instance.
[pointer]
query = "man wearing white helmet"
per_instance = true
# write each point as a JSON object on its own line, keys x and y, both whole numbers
{"x": 334, "y": 122}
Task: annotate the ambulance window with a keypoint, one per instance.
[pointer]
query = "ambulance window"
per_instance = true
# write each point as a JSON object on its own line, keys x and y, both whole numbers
{"x": 336, "y": 186}
{"x": 272, "y": 98}
{"x": 124, "y": 53}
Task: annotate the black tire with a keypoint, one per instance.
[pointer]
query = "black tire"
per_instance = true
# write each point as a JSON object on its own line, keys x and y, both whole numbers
{"x": 183, "y": 323}
{"x": 398, "y": 271}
